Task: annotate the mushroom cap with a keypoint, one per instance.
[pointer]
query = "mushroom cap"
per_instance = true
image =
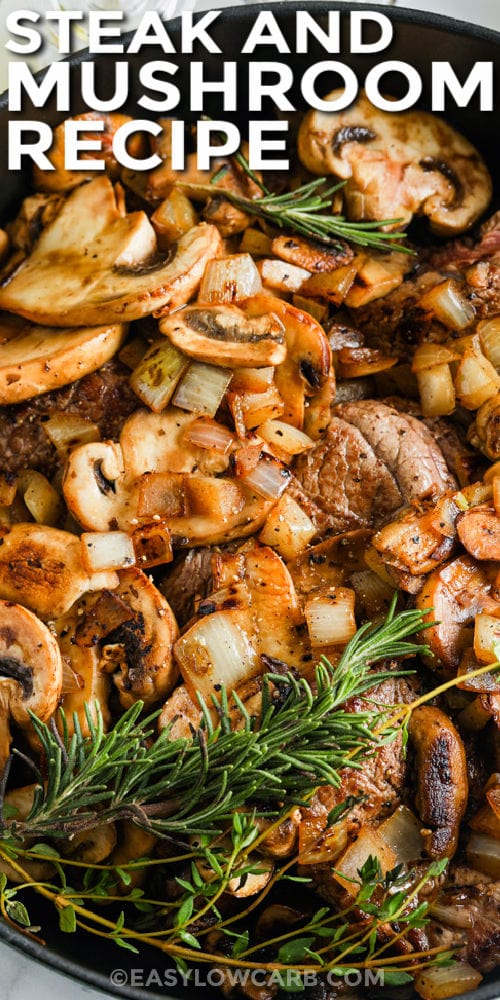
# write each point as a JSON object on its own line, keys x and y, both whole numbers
{"x": 43, "y": 567}
{"x": 397, "y": 164}
{"x": 36, "y": 359}
{"x": 225, "y": 335}
{"x": 30, "y": 665}
{"x": 92, "y": 265}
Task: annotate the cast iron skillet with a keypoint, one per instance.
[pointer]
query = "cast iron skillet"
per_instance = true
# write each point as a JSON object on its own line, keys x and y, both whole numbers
{"x": 419, "y": 39}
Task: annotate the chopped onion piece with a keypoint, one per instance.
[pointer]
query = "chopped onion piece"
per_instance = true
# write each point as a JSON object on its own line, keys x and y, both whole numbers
{"x": 486, "y": 637}
{"x": 437, "y": 392}
{"x": 152, "y": 545}
{"x": 157, "y": 374}
{"x": 207, "y": 433}
{"x": 330, "y": 617}
{"x": 373, "y": 593}
{"x": 181, "y": 714}
{"x": 287, "y": 529}
{"x": 368, "y": 843}
{"x": 357, "y": 362}
{"x": 173, "y": 217}
{"x": 332, "y": 286}
{"x": 318, "y": 310}
{"x": 284, "y": 438}
{"x": 8, "y": 489}
{"x": 269, "y": 478}
{"x": 133, "y": 352}
{"x": 256, "y": 407}
{"x": 256, "y": 242}
{"x": 403, "y": 833}
{"x": 252, "y": 380}
{"x": 212, "y": 497}
{"x": 428, "y": 355}
{"x": 40, "y": 497}
{"x": 67, "y": 430}
{"x": 71, "y": 681}
{"x": 483, "y": 853}
{"x": 476, "y": 379}
{"x": 447, "y": 303}
{"x": 486, "y": 820}
{"x": 489, "y": 336}
{"x": 229, "y": 279}
{"x": 452, "y": 980}
{"x": 104, "y": 550}
{"x": 218, "y": 649}
{"x": 202, "y": 388}
{"x": 282, "y": 277}
{"x": 162, "y": 494}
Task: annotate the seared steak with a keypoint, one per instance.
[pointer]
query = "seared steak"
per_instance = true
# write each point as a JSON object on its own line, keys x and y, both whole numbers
{"x": 371, "y": 461}
{"x": 190, "y": 578}
{"x": 104, "y": 397}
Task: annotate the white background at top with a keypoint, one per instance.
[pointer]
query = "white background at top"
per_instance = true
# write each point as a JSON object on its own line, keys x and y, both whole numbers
{"x": 20, "y": 977}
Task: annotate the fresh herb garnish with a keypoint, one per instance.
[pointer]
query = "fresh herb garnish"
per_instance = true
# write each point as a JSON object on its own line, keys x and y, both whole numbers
{"x": 303, "y": 211}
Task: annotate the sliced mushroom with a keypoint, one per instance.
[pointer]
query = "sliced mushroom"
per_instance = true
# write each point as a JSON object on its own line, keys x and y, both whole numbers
{"x": 21, "y": 799}
{"x": 451, "y": 597}
{"x": 133, "y": 843}
{"x": 35, "y": 359}
{"x": 307, "y": 368}
{"x": 92, "y": 685}
{"x": 93, "y": 266}
{"x": 442, "y": 783}
{"x": 159, "y": 442}
{"x": 412, "y": 545}
{"x": 397, "y": 164}
{"x": 141, "y": 649}
{"x": 92, "y": 846}
{"x": 43, "y": 568}
{"x": 223, "y": 335}
{"x": 275, "y": 607}
{"x": 30, "y": 671}
{"x": 95, "y": 489}
{"x": 315, "y": 257}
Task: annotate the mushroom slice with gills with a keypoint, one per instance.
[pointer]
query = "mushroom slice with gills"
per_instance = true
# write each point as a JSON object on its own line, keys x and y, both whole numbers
{"x": 307, "y": 367}
{"x": 95, "y": 488}
{"x": 158, "y": 442}
{"x": 225, "y": 335}
{"x": 35, "y": 359}
{"x": 91, "y": 685}
{"x": 139, "y": 652}
{"x": 313, "y": 255}
{"x": 276, "y": 609}
{"x": 441, "y": 774}
{"x": 451, "y": 598}
{"x": 43, "y": 567}
{"x": 93, "y": 266}
{"x": 198, "y": 529}
{"x": 31, "y": 671}
{"x": 397, "y": 164}
{"x": 479, "y": 532}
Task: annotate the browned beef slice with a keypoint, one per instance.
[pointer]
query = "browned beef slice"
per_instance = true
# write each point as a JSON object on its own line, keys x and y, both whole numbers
{"x": 104, "y": 397}
{"x": 348, "y": 485}
{"x": 470, "y": 920}
{"x": 189, "y": 578}
{"x": 372, "y": 461}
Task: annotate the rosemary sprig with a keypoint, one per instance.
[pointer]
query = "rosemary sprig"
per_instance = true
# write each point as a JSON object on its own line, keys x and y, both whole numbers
{"x": 302, "y": 211}
{"x": 175, "y": 788}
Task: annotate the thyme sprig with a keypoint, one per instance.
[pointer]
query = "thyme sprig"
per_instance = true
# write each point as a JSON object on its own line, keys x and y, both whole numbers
{"x": 176, "y": 788}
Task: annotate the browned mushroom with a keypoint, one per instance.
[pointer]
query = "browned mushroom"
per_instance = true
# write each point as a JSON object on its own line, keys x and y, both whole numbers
{"x": 442, "y": 783}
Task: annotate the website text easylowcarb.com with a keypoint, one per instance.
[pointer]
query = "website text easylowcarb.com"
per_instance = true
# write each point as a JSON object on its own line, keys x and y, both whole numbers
{"x": 290, "y": 980}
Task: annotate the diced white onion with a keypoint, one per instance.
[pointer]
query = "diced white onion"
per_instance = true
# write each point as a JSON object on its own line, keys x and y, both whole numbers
{"x": 283, "y": 277}
{"x": 162, "y": 494}
{"x": 105, "y": 550}
{"x": 448, "y": 305}
{"x": 256, "y": 242}
{"x": 285, "y": 438}
{"x": 71, "y": 681}
{"x": 428, "y": 355}
{"x": 452, "y": 980}
{"x": 332, "y": 286}
{"x": 374, "y": 593}
{"x": 330, "y": 617}
{"x": 212, "y": 497}
{"x": 133, "y": 352}
{"x": 486, "y": 637}
{"x": 483, "y": 853}
{"x": 476, "y": 380}
{"x": 202, "y": 388}
{"x": 269, "y": 478}
{"x": 207, "y": 433}
{"x": 67, "y": 430}
{"x": 403, "y": 833}
{"x": 181, "y": 713}
{"x": 437, "y": 392}
{"x": 257, "y": 407}
{"x": 489, "y": 336}
{"x": 229, "y": 279}
{"x": 157, "y": 374}
{"x": 368, "y": 843}
{"x": 40, "y": 497}
{"x": 152, "y": 545}
{"x": 218, "y": 649}
{"x": 287, "y": 529}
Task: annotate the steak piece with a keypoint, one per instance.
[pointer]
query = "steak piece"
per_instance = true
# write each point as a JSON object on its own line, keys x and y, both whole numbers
{"x": 371, "y": 461}
{"x": 190, "y": 578}
{"x": 104, "y": 397}
{"x": 470, "y": 920}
